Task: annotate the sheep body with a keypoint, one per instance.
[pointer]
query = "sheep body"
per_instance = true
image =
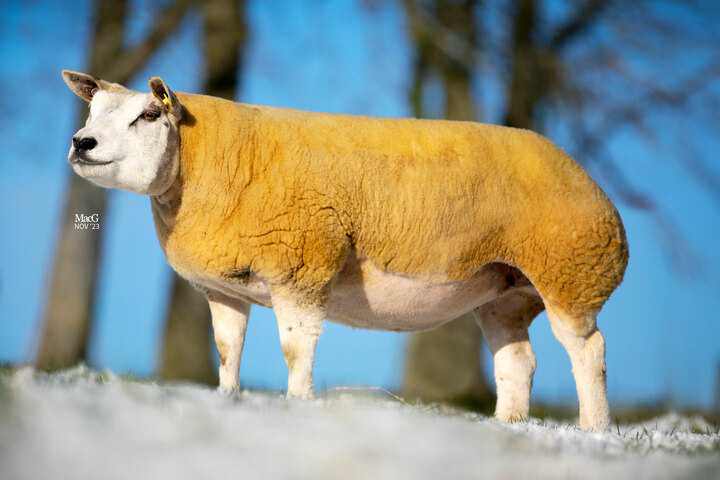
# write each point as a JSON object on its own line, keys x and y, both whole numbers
{"x": 294, "y": 192}
{"x": 391, "y": 224}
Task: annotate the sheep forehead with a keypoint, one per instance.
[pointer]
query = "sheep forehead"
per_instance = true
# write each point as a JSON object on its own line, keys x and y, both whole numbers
{"x": 112, "y": 106}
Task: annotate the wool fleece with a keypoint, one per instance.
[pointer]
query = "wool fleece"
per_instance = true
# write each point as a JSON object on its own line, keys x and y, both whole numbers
{"x": 293, "y": 192}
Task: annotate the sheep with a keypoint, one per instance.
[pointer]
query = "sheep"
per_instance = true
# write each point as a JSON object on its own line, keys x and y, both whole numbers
{"x": 377, "y": 223}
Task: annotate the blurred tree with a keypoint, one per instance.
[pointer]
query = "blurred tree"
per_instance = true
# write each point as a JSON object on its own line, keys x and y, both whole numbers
{"x": 590, "y": 70}
{"x": 716, "y": 402}
{"x": 72, "y": 289}
{"x": 187, "y": 351}
{"x": 444, "y": 364}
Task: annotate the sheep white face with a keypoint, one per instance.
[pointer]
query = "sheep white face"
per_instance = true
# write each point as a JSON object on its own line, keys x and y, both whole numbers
{"x": 130, "y": 140}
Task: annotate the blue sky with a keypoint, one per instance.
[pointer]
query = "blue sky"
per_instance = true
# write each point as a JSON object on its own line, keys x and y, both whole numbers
{"x": 662, "y": 328}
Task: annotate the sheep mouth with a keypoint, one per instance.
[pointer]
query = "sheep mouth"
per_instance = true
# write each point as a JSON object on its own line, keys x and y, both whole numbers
{"x": 91, "y": 162}
{"x": 76, "y": 159}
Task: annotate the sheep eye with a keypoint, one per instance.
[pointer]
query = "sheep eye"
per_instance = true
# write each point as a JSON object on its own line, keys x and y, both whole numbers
{"x": 150, "y": 116}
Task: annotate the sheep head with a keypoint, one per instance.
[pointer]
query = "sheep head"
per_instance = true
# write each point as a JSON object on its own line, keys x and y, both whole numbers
{"x": 130, "y": 140}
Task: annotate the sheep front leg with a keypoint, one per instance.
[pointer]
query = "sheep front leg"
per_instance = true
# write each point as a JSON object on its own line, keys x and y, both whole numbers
{"x": 229, "y": 319}
{"x": 299, "y": 328}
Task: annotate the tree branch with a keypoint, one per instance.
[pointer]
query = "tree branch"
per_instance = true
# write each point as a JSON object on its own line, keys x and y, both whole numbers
{"x": 441, "y": 37}
{"x": 132, "y": 60}
{"x": 583, "y": 18}
{"x": 633, "y": 112}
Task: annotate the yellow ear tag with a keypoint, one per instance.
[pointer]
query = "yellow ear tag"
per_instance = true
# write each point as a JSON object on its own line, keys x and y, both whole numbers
{"x": 166, "y": 100}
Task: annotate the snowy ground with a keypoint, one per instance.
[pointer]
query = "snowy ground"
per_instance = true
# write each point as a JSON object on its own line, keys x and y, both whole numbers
{"x": 81, "y": 424}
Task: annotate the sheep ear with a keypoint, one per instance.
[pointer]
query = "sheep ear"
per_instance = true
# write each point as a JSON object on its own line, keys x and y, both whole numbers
{"x": 163, "y": 93}
{"x": 82, "y": 84}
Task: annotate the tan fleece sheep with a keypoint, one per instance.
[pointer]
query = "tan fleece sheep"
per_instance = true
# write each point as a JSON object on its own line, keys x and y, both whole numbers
{"x": 391, "y": 224}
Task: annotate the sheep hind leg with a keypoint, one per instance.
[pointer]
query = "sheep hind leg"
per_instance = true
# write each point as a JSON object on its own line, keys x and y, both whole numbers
{"x": 504, "y": 323}
{"x": 585, "y": 346}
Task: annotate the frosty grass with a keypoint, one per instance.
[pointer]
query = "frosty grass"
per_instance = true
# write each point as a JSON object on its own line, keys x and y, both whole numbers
{"x": 81, "y": 424}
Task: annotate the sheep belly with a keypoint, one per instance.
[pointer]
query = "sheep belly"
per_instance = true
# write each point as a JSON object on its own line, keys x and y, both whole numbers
{"x": 365, "y": 296}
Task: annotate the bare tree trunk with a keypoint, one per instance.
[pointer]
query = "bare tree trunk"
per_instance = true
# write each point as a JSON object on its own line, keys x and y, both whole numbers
{"x": 72, "y": 289}
{"x": 225, "y": 38}
{"x": 187, "y": 351}
{"x": 524, "y": 87}
{"x": 446, "y": 364}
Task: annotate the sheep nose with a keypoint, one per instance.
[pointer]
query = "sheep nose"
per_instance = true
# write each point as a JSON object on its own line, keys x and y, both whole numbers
{"x": 85, "y": 143}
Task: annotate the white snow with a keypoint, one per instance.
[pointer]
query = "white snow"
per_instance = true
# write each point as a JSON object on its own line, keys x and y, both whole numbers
{"x": 81, "y": 424}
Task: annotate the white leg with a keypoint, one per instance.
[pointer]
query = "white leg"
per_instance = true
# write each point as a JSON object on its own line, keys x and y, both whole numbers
{"x": 299, "y": 328}
{"x": 586, "y": 348}
{"x": 504, "y": 323}
{"x": 229, "y": 319}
